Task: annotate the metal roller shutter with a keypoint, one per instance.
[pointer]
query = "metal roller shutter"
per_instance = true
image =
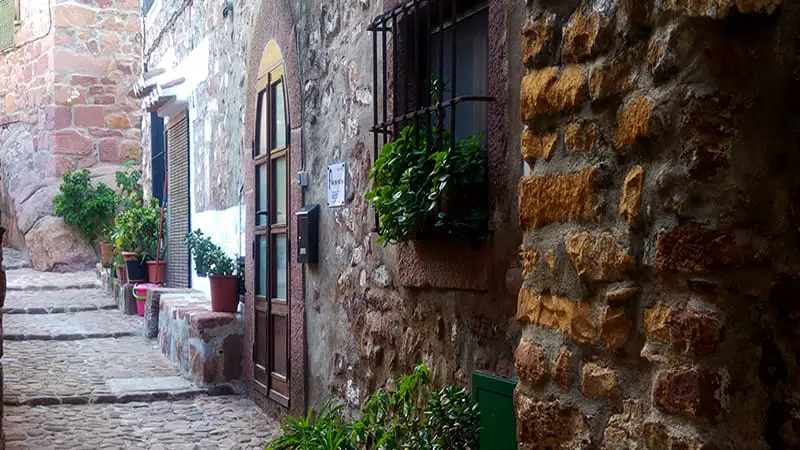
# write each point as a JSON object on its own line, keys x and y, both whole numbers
{"x": 178, "y": 268}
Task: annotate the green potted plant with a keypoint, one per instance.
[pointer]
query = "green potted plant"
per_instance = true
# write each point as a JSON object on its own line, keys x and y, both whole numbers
{"x": 136, "y": 230}
{"x": 423, "y": 185}
{"x": 87, "y": 207}
{"x": 222, "y": 271}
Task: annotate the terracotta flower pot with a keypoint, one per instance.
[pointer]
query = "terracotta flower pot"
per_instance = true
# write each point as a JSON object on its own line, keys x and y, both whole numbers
{"x": 130, "y": 256}
{"x": 157, "y": 271}
{"x": 224, "y": 293}
{"x": 121, "y": 275}
{"x": 107, "y": 254}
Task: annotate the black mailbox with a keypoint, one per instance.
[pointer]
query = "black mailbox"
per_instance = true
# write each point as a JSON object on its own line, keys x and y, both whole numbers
{"x": 308, "y": 234}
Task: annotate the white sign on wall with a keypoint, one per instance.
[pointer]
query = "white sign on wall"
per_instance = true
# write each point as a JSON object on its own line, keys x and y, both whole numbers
{"x": 337, "y": 184}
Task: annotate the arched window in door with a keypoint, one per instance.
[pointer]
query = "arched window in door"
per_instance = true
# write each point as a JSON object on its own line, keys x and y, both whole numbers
{"x": 271, "y": 230}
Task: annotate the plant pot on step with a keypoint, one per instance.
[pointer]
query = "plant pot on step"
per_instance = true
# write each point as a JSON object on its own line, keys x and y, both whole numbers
{"x": 107, "y": 254}
{"x": 224, "y": 293}
{"x": 157, "y": 271}
{"x": 136, "y": 271}
{"x": 130, "y": 256}
{"x": 122, "y": 276}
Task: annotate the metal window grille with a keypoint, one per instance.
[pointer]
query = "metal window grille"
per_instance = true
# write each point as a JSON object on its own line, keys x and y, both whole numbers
{"x": 406, "y": 92}
{"x": 179, "y": 267}
{"x": 8, "y": 13}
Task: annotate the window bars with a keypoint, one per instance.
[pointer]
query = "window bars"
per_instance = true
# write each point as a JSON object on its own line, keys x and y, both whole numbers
{"x": 407, "y": 62}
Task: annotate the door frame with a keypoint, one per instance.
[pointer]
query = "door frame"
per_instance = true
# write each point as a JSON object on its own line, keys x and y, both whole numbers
{"x": 273, "y": 30}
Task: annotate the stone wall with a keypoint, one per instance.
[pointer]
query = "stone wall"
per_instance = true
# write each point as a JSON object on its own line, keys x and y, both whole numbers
{"x": 661, "y": 249}
{"x": 66, "y": 105}
{"x": 370, "y": 314}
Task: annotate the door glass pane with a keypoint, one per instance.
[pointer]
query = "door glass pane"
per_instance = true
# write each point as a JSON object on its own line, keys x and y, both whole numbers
{"x": 261, "y": 265}
{"x": 262, "y": 123}
{"x": 261, "y": 194}
{"x": 279, "y": 344}
{"x": 280, "y": 190}
{"x": 279, "y": 271}
{"x": 278, "y": 116}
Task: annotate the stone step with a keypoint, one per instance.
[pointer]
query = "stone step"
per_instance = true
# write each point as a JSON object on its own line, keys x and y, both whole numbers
{"x": 69, "y": 326}
{"x": 125, "y": 397}
{"x": 56, "y": 302}
{"x": 32, "y": 280}
{"x": 14, "y": 259}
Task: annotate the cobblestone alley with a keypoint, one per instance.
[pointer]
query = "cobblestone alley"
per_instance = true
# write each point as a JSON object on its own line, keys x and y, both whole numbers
{"x": 78, "y": 374}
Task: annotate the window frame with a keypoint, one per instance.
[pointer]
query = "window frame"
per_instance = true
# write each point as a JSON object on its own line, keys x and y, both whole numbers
{"x": 392, "y": 28}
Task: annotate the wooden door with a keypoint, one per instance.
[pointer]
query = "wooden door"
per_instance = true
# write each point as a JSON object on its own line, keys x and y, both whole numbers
{"x": 271, "y": 224}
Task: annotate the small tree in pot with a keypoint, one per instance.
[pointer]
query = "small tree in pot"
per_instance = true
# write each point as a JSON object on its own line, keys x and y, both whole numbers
{"x": 222, "y": 271}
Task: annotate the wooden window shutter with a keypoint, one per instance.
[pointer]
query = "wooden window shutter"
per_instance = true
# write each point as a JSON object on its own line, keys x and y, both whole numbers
{"x": 8, "y": 13}
{"x": 178, "y": 208}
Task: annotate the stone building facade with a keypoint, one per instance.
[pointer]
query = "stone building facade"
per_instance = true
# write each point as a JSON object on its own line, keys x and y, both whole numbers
{"x": 65, "y": 87}
{"x": 660, "y": 242}
{"x": 365, "y": 313}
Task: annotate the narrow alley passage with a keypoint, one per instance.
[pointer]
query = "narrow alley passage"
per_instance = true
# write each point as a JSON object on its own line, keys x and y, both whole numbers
{"x": 78, "y": 374}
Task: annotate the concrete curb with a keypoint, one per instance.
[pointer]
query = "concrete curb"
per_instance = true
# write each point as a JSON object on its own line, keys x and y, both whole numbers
{"x": 146, "y": 397}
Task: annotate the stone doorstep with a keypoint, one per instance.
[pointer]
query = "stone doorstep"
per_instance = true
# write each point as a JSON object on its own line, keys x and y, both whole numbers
{"x": 58, "y": 309}
{"x": 67, "y": 337}
{"x": 127, "y": 397}
{"x": 52, "y": 287}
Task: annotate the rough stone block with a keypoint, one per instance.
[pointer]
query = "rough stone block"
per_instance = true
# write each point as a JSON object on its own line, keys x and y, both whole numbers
{"x": 537, "y": 40}
{"x": 118, "y": 121}
{"x": 55, "y": 246}
{"x": 557, "y": 198}
{"x": 693, "y": 248}
{"x": 70, "y": 142}
{"x": 598, "y": 381}
{"x": 58, "y": 117}
{"x": 631, "y": 199}
{"x": 721, "y": 9}
{"x": 89, "y": 116}
{"x": 535, "y": 146}
{"x": 585, "y": 34}
{"x": 615, "y": 327}
{"x": 530, "y": 363}
{"x": 108, "y": 150}
{"x": 67, "y": 61}
{"x": 560, "y": 370}
{"x": 67, "y": 16}
{"x": 694, "y": 392}
{"x": 599, "y": 259}
{"x": 529, "y": 260}
{"x": 581, "y": 137}
{"x": 685, "y": 330}
{"x": 612, "y": 76}
{"x": 557, "y": 313}
{"x": 543, "y": 424}
{"x": 633, "y": 120}
{"x": 551, "y": 90}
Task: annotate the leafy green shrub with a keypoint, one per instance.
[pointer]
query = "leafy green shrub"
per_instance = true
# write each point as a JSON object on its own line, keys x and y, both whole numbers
{"x": 209, "y": 258}
{"x": 89, "y": 208}
{"x": 410, "y": 416}
{"x": 136, "y": 228}
{"x": 424, "y": 187}
{"x": 129, "y": 183}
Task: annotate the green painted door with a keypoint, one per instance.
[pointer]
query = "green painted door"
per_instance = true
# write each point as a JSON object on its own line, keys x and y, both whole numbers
{"x": 494, "y": 396}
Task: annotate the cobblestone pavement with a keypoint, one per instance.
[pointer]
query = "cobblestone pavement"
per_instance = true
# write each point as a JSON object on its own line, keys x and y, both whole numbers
{"x": 200, "y": 423}
{"x": 41, "y": 302}
{"x": 62, "y": 380}
{"x": 78, "y": 368}
{"x": 71, "y": 326}
{"x": 31, "y": 280}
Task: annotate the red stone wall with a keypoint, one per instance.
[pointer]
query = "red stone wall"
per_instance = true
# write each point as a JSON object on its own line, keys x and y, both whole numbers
{"x": 65, "y": 104}
{"x": 660, "y": 260}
